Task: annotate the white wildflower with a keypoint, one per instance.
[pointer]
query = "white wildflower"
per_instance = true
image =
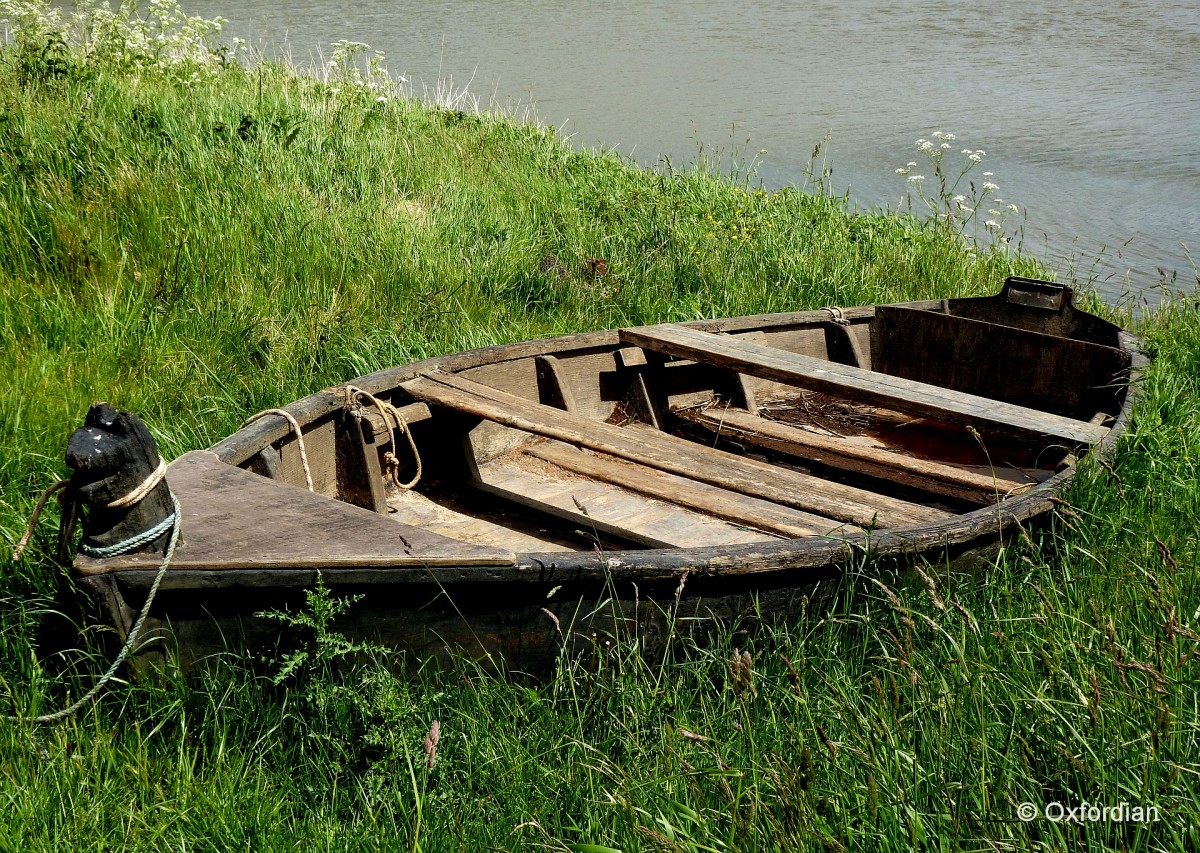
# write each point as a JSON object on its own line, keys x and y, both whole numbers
{"x": 965, "y": 151}
{"x": 902, "y": 171}
{"x": 994, "y": 212}
{"x": 946, "y": 146}
{"x": 988, "y": 174}
{"x": 1012, "y": 208}
{"x": 915, "y": 179}
{"x": 974, "y": 158}
{"x": 925, "y": 146}
{"x": 980, "y": 152}
{"x": 992, "y": 224}
{"x": 989, "y": 186}
{"x": 949, "y": 137}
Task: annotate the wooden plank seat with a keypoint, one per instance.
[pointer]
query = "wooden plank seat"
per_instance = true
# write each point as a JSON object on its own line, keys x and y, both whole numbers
{"x": 671, "y": 454}
{"x": 235, "y": 519}
{"x": 848, "y": 454}
{"x": 864, "y": 386}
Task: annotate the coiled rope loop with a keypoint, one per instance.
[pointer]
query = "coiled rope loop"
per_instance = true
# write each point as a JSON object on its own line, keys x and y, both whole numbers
{"x": 394, "y": 422}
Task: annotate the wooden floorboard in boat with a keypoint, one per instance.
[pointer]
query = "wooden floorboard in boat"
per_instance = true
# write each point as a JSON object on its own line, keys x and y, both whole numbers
{"x": 672, "y": 454}
{"x": 235, "y": 519}
{"x": 711, "y": 500}
{"x": 881, "y": 389}
{"x": 611, "y": 509}
{"x": 849, "y": 454}
{"x": 416, "y": 509}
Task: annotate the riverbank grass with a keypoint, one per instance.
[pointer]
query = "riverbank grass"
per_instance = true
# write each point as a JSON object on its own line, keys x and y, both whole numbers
{"x": 196, "y": 240}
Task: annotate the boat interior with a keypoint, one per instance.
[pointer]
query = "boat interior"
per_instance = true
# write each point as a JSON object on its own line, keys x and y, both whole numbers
{"x": 680, "y": 435}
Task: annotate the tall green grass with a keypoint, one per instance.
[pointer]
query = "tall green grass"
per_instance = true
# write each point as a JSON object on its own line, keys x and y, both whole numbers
{"x": 197, "y": 240}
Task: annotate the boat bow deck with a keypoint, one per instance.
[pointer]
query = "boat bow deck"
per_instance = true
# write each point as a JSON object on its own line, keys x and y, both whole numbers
{"x": 234, "y": 519}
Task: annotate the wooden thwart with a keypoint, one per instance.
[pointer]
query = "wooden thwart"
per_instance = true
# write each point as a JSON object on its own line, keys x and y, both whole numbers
{"x": 848, "y": 455}
{"x": 866, "y": 386}
{"x": 667, "y": 453}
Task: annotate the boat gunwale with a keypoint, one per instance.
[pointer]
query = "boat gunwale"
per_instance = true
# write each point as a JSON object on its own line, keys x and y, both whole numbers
{"x": 758, "y": 560}
{"x": 238, "y": 447}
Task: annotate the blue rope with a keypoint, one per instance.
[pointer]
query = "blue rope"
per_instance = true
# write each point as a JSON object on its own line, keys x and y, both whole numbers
{"x": 130, "y": 639}
{"x": 133, "y": 542}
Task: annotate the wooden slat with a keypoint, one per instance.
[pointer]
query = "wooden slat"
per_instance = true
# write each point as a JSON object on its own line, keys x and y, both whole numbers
{"x": 413, "y": 413}
{"x": 233, "y": 519}
{"x": 608, "y": 510}
{"x": 553, "y": 387}
{"x": 936, "y": 477}
{"x": 450, "y": 518}
{"x": 864, "y": 386}
{"x": 712, "y": 500}
{"x": 747, "y": 476}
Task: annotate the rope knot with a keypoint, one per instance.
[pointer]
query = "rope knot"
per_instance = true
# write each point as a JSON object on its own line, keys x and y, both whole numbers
{"x": 394, "y": 422}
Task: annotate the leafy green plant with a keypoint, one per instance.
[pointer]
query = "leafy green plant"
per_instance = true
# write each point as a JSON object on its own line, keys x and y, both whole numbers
{"x": 321, "y": 648}
{"x": 157, "y": 39}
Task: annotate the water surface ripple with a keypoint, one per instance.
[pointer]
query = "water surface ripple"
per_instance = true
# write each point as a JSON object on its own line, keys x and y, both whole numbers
{"x": 1089, "y": 114}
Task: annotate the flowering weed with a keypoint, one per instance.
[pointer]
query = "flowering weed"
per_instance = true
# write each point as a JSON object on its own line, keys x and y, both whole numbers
{"x": 952, "y": 199}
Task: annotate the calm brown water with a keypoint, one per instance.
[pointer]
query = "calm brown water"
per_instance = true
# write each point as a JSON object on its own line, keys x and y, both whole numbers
{"x": 1090, "y": 114}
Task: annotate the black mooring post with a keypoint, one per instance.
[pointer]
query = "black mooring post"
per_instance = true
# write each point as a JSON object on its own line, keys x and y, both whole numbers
{"x": 110, "y": 456}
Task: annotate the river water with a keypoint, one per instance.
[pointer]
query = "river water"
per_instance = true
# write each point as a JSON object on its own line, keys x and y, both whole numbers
{"x": 1089, "y": 114}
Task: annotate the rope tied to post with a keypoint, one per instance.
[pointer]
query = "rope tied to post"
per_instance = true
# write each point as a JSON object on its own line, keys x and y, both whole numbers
{"x": 171, "y": 522}
{"x": 23, "y": 542}
{"x": 395, "y": 422}
{"x": 137, "y": 494}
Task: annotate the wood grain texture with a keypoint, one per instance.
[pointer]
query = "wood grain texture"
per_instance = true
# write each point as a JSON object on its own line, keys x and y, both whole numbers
{"x": 865, "y": 386}
{"x": 553, "y": 387}
{"x": 713, "y": 500}
{"x": 1004, "y": 363}
{"x": 956, "y": 481}
{"x": 449, "y": 517}
{"x": 651, "y": 521}
{"x": 671, "y": 454}
{"x": 233, "y": 519}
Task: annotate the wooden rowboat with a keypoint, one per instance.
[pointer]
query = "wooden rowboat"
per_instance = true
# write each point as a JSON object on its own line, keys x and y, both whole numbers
{"x": 713, "y": 465}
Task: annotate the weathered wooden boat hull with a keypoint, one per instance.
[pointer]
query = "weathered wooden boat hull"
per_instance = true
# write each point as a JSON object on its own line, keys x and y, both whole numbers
{"x": 1063, "y": 387}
